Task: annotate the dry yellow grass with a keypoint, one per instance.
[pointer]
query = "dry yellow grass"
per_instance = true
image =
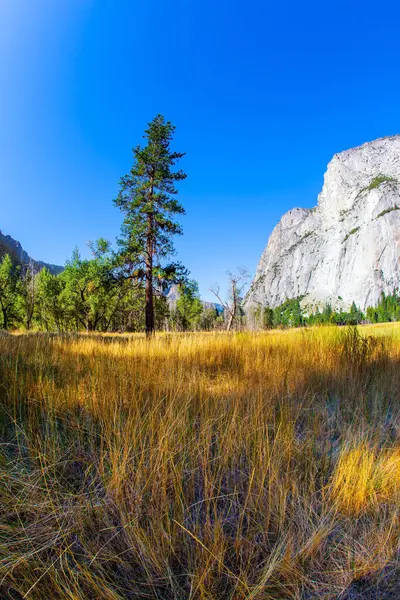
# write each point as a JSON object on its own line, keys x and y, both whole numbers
{"x": 198, "y": 466}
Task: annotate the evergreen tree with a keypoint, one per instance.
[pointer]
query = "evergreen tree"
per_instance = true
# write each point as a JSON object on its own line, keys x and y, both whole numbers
{"x": 147, "y": 199}
{"x": 267, "y": 317}
{"x": 372, "y": 314}
{"x": 355, "y": 316}
{"x": 327, "y": 313}
{"x": 387, "y": 309}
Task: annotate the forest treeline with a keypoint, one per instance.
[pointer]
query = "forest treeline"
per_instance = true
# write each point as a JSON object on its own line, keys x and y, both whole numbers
{"x": 94, "y": 295}
{"x": 292, "y": 314}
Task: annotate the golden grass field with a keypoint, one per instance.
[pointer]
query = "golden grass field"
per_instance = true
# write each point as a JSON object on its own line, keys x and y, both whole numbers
{"x": 204, "y": 466}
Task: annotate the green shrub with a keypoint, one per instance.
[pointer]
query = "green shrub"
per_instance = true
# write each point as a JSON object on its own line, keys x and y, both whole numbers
{"x": 376, "y": 182}
{"x": 351, "y": 233}
{"x": 388, "y": 210}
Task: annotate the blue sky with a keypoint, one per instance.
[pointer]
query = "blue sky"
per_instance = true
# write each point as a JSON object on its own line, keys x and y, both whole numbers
{"x": 262, "y": 94}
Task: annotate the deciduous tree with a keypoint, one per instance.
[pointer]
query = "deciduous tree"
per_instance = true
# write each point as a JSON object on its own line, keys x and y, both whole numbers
{"x": 9, "y": 279}
{"x": 233, "y": 307}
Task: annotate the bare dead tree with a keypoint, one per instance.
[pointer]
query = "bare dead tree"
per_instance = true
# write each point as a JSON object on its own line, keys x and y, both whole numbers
{"x": 237, "y": 283}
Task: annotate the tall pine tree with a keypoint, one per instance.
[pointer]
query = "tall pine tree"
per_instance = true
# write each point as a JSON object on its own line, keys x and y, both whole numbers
{"x": 147, "y": 199}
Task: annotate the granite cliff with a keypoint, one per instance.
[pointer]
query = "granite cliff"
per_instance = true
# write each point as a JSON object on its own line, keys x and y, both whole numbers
{"x": 345, "y": 249}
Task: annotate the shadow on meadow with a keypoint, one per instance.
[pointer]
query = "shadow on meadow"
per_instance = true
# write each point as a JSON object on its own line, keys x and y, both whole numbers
{"x": 242, "y": 466}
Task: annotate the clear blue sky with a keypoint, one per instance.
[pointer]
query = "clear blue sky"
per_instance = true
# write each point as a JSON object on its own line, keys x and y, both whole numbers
{"x": 262, "y": 94}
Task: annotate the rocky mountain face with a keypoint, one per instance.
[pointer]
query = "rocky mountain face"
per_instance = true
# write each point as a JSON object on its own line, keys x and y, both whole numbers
{"x": 345, "y": 249}
{"x": 10, "y": 246}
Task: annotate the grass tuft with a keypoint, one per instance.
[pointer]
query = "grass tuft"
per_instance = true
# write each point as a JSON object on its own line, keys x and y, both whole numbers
{"x": 214, "y": 465}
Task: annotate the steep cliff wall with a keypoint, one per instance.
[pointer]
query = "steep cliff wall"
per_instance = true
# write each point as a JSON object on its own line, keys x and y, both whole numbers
{"x": 345, "y": 249}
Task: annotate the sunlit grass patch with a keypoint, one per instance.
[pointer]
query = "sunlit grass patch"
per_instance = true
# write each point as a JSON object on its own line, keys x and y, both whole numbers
{"x": 251, "y": 465}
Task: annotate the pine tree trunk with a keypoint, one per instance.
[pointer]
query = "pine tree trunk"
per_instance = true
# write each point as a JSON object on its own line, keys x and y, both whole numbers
{"x": 149, "y": 288}
{"x": 149, "y": 303}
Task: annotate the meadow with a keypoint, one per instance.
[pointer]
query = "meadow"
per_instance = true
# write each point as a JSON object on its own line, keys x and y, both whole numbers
{"x": 246, "y": 466}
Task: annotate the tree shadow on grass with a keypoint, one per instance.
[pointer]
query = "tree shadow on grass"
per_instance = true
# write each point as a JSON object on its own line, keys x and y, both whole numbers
{"x": 346, "y": 396}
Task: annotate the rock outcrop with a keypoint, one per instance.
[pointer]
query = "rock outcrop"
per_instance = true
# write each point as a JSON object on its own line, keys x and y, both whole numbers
{"x": 345, "y": 249}
{"x": 10, "y": 246}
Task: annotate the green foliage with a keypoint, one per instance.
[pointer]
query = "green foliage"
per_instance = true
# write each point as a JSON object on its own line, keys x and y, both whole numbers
{"x": 147, "y": 200}
{"x": 377, "y": 181}
{"x": 288, "y": 314}
{"x": 9, "y": 282}
{"x": 291, "y": 314}
{"x": 330, "y": 316}
{"x": 188, "y": 309}
{"x": 210, "y": 319}
{"x": 267, "y": 317}
{"x": 52, "y": 311}
{"x": 352, "y": 232}
{"x": 91, "y": 295}
{"x": 355, "y": 315}
{"x": 27, "y": 296}
{"x": 387, "y": 309}
{"x": 91, "y": 291}
{"x": 301, "y": 240}
{"x": 388, "y": 210}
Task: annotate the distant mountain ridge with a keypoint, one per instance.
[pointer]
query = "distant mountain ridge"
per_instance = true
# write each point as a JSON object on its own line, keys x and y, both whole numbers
{"x": 10, "y": 246}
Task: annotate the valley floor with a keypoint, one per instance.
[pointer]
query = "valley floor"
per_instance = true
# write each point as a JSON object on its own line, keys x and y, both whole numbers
{"x": 254, "y": 466}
